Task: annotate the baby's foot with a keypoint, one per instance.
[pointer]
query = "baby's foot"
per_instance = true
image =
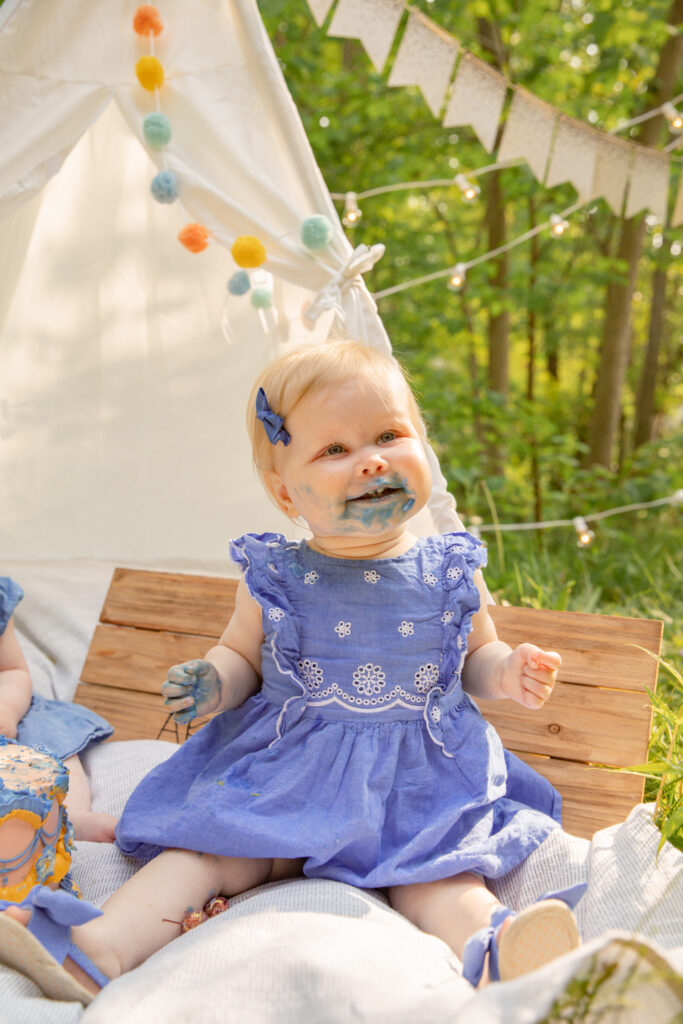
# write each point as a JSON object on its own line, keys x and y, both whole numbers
{"x": 93, "y": 827}
{"x": 534, "y": 937}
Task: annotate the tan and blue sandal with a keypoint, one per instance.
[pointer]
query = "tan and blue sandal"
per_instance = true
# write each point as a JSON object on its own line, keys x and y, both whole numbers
{"x": 39, "y": 949}
{"x": 538, "y": 934}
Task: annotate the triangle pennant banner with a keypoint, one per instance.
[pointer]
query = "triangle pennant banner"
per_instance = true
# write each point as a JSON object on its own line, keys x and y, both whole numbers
{"x": 477, "y": 99}
{"x": 612, "y": 164}
{"x": 350, "y": 21}
{"x": 528, "y": 132}
{"x": 573, "y": 157}
{"x": 648, "y": 184}
{"x": 426, "y": 57}
{"x": 320, "y": 9}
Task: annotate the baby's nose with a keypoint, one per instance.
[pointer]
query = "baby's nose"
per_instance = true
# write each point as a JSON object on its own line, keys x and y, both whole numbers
{"x": 371, "y": 464}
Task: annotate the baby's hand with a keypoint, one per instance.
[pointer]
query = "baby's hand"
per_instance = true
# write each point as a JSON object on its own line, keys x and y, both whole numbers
{"x": 191, "y": 689}
{"x": 8, "y": 722}
{"x": 528, "y": 675}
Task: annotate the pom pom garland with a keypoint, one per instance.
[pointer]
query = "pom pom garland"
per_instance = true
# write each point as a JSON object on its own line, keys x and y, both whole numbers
{"x": 239, "y": 283}
{"x": 262, "y": 298}
{"x": 150, "y": 73}
{"x": 316, "y": 232}
{"x": 164, "y": 187}
{"x": 156, "y": 129}
{"x": 147, "y": 19}
{"x": 248, "y": 252}
{"x": 194, "y": 237}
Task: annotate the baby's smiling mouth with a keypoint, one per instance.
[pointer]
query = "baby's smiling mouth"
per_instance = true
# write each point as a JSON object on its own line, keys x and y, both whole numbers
{"x": 377, "y": 494}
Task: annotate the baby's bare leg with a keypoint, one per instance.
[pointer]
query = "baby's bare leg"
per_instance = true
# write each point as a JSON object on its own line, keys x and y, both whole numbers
{"x": 452, "y": 909}
{"x": 88, "y": 824}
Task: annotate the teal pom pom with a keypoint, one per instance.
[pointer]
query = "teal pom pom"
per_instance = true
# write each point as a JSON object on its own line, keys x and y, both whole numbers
{"x": 316, "y": 232}
{"x": 239, "y": 283}
{"x": 262, "y": 298}
{"x": 164, "y": 186}
{"x": 157, "y": 130}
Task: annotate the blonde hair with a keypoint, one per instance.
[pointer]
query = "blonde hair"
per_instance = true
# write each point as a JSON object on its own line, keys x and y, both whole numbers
{"x": 311, "y": 367}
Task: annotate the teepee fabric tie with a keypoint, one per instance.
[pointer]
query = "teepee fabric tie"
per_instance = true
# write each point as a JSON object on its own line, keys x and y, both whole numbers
{"x": 362, "y": 259}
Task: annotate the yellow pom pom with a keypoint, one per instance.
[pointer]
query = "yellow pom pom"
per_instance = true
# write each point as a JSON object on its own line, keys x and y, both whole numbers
{"x": 248, "y": 251}
{"x": 150, "y": 73}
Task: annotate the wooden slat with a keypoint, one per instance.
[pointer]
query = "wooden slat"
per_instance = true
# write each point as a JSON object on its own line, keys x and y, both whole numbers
{"x": 582, "y": 723}
{"x": 138, "y": 659}
{"x": 595, "y": 649}
{"x": 592, "y": 798}
{"x": 175, "y": 602}
{"x": 135, "y": 716}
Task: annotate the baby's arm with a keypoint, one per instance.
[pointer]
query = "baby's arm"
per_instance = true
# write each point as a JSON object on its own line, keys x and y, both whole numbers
{"x": 15, "y": 683}
{"x": 229, "y": 672}
{"x": 494, "y": 670}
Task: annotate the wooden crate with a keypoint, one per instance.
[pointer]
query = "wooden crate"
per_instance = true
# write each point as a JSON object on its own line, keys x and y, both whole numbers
{"x": 599, "y": 715}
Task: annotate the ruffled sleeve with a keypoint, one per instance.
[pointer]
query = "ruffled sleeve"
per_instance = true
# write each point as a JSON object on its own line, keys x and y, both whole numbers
{"x": 270, "y": 563}
{"x": 10, "y": 596}
{"x": 463, "y": 555}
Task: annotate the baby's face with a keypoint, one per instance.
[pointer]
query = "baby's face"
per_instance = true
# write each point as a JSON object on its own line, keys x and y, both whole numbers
{"x": 356, "y": 463}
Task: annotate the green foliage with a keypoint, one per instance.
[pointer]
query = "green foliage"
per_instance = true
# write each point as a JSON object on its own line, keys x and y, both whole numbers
{"x": 516, "y": 457}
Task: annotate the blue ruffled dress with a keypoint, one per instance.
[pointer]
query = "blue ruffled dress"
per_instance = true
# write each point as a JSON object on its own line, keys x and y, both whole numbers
{"x": 361, "y": 752}
{"x": 56, "y": 725}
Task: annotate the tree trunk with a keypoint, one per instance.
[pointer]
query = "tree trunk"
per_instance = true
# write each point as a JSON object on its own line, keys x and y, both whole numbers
{"x": 498, "y": 326}
{"x": 616, "y": 337}
{"x": 645, "y": 400}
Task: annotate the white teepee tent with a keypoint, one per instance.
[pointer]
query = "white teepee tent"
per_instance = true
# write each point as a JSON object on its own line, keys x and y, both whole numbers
{"x": 121, "y": 401}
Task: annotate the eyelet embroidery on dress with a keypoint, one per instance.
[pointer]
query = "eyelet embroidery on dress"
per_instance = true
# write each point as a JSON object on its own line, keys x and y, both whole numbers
{"x": 430, "y": 579}
{"x": 371, "y": 576}
{"x": 455, "y": 573}
{"x": 343, "y": 629}
{"x": 311, "y": 577}
{"x": 406, "y": 628}
{"x": 311, "y": 673}
{"x": 460, "y": 642}
{"x": 369, "y": 679}
{"x": 447, "y": 617}
{"x": 435, "y": 714}
{"x": 275, "y": 614}
{"x": 426, "y": 677}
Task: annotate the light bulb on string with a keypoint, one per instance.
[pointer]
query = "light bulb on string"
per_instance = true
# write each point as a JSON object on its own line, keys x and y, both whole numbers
{"x": 674, "y": 118}
{"x": 558, "y": 225}
{"x": 469, "y": 190}
{"x": 352, "y": 213}
{"x": 457, "y": 277}
{"x": 585, "y": 536}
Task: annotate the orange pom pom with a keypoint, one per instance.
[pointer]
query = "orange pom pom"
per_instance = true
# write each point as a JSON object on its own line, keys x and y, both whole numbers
{"x": 147, "y": 19}
{"x": 248, "y": 251}
{"x": 150, "y": 73}
{"x": 194, "y": 237}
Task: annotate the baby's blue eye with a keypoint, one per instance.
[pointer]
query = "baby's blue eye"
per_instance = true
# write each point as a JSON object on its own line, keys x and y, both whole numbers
{"x": 386, "y": 437}
{"x": 334, "y": 449}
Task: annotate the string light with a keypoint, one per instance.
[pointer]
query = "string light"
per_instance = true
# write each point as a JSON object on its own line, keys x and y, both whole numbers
{"x": 580, "y": 523}
{"x": 673, "y": 117}
{"x": 469, "y": 190}
{"x": 585, "y": 535}
{"x": 352, "y": 214}
{"x": 558, "y": 225}
{"x": 457, "y": 278}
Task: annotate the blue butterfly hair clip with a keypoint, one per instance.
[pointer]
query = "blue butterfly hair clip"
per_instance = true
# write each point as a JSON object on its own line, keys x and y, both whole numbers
{"x": 274, "y": 425}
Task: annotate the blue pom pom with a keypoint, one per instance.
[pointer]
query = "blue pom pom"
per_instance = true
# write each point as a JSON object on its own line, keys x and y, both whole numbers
{"x": 316, "y": 232}
{"x": 262, "y": 298}
{"x": 157, "y": 130}
{"x": 239, "y": 283}
{"x": 164, "y": 186}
